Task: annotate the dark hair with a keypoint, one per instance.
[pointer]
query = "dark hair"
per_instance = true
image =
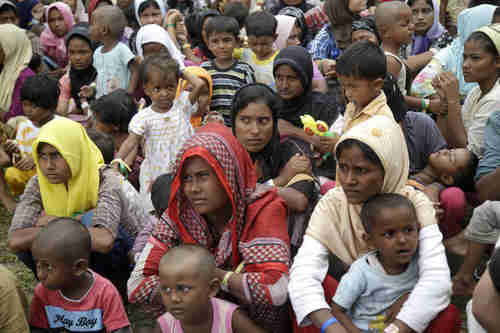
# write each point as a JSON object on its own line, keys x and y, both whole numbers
{"x": 238, "y": 11}
{"x": 368, "y": 153}
{"x": 429, "y": 2}
{"x": 222, "y": 24}
{"x": 206, "y": 265}
{"x": 486, "y": 43}
{"x": 464, "y": 178}
{"x": 255, "y": 93}
{"x": 186, "y": 5}
{"x": 160, "y": 192}
{"x": 159, "y": 62}
{"x": 8, "y": 7}
{"x": 35, "y": 62}
{"x": 41, "y": 90}
{"x": 146, "y": 4}
{"x": 116, "y": 108}
{"x": 261, "y": 24}
{"x": 496, "y": 13}
{"x": 395, "y": 99}
{"x": 364, "y": 60}
{"x": 104, "y": 142}
{"x": 474, "y": 3}
{"x": 300, "y": 22}
{"x": 372, "y": 207}
{"x": 366, "y": 23}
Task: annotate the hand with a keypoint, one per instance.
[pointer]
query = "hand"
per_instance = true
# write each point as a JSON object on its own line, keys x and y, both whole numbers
{"x": 26, "y": 163}
{"x": 11, "y": 147}
{"x": 181, "y": 32}
{"x": 448, "y": 83}
{"x": 86, "y": 92}
{"x": 328, "y": 68}
{"x": 297, "y": 164}
{"x": 173, "y": 16}
{"x": 395, "y": 308}
{"x": 432, "y": 192}
{"x": 463, "y": 284}
{"x": 435, "y": 105}
{"x": 44, "y": 220}
{"x": 327, "y": 144}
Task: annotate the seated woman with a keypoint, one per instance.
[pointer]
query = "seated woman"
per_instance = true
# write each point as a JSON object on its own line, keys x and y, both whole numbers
{"x": 463, "y": 126}
{"x": 372, "y": 158}
{"x": 285, "y": 165}
{"x": 212, "y": 205}
{"x": 72, "y": 181}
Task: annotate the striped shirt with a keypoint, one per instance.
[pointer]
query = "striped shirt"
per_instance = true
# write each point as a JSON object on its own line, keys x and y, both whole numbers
{"x": 226, "y": 83}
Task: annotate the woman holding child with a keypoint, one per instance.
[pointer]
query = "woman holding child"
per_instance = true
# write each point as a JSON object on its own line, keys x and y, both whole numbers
{"x": 213, "y": 204}
{"x": 372, "y": 158}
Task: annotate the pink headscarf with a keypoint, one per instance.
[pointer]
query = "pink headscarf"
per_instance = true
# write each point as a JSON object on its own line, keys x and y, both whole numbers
{"x": 49, "y": 39}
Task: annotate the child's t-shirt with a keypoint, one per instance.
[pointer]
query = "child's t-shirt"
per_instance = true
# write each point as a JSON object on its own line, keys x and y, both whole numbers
{"x": 226, "y": 83}
{"x": 100, "y": 310}
{"x": 263, "y": 68}
{"x": 112, "y": 69}
{"x": 366, "y": 291}
{"x": 26, "y": 134}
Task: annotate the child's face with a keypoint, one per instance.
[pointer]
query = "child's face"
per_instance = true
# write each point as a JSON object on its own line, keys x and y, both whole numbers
{"x": 357, "y": 6}
{"x": 53, "y": 165}
{"x": 478, "y": 63}
{"x": 79, "y": 53}
{"x": 360, "y": 91}
{"x": 151, "y": 15}
{"x": 36, "y": 114}
{"x": 360, "y": 35}
{"x": 96, "y": 28}
{"x": 71, "y": 4}
{"x": 37, "y": 11}
{"x": 9, "y": 16}
{"x": 402, "y": 30}
{"x": 449, "y": 162}
{"x": 161, "y": 88}
{"x": 423, "y": 16}
{"x": 288, "y": 82}
{"x": 53, "y": 274}
{"x": 153, "y": 48}
{"x": 395, "y": 235}
{"x": 262, "y": 46}
{"x": 56, "y": 23}
{"x": 222, "y": 45}
{"x": 203, "y": 99}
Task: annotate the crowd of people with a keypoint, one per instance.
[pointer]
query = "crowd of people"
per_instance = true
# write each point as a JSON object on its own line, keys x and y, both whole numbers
{"x": 251, "y": 166}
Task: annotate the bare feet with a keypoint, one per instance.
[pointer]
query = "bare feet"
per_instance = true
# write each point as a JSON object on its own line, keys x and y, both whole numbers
{"x": 456, "y": 244}
{"x": 463, "y": 284}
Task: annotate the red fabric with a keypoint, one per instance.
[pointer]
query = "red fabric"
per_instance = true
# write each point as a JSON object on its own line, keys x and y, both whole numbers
{"x": 453, "y": 203}
{"x": 92, "y": 6}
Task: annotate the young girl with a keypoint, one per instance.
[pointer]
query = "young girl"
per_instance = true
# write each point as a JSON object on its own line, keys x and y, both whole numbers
{"x": 165, "y": 125}
{"x": 149, "y": 11}
{"x": 15, "y": 55}
{"x": 52, "y": 41}
{"x": 205, "y": 93}
{"x": 463, "y": 127}
{"x": 152, "y": 39}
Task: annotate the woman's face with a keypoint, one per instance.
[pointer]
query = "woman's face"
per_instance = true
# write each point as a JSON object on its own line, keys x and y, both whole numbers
{"x": 253, "y": 127}
{"x": 37, "y": 11}
{"x": 52, "y": 164}
{"x": 479, "y": 65}
{"x": 153, "y": 48}
{"x": 151, "y": 15}
{"x": 71, "y": 4}
{"x": 288, "y": 82}
{"x": 56, "y": 23}
{"x": 295, "y": 37}
{"x": 359, "y": 177}
{"x": 423, "y": 16}
{"x": 202, "y": 187}
{"x": 357, "y": 6}
{"x": 79, "y": 53}
{"x": 360, "y": 35}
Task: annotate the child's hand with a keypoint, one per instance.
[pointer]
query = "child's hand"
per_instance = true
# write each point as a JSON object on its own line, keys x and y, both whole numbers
{"x": 44, "y": 220}
{"x": 448, "y": 84}
{"x": 11, "y": 147}
{"x": 328, "y": 68}
{"x": 87, "y": 91}
{"x": 327, "y": 144}
{"x": 26, "y": 163}
{"x": 393, "y": 311}
{"x": 297, "y": 164}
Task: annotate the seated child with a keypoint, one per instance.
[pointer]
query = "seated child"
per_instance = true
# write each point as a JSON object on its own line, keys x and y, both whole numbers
{"x": 379, "y": 278}
{"x": 70, "y": 297}
{"x": 188, "y": 287}
{"x": 164, "y": 126}
{"x": 115, "y": 63}
{"x": 228, "y": 74}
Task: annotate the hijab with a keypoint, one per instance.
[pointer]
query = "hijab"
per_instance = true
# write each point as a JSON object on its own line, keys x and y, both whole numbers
{"x": 17, "y": 49}
{"x": 48, "y": 38}
{"x": 451, "y": 57}
{"x": 283, "y": 30}
{"x": 421, "y": 43}
{"x": 198, "y": 40}
{"x": 493, "y": 33}
{"x": 153, "y": 33}
{"x": 304, "y": 6}
{"x": 84, "y": 160}
{"x": 343, "y": 231}
{"x": 24, "y": 9}
{"x": 137, "y": 6}
{"x": 366, "y": 23}
{"x": 81, "y": 77}
{"x": 300, "y": 21}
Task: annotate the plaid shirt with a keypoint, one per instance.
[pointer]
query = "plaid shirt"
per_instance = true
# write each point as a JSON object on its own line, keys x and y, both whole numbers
{"x": 316, "y": 19}
{"x": 323, "y": 46}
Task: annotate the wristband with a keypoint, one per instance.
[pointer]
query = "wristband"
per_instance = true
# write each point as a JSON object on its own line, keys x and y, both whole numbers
{"x": 185, "y": 46}
{"x": 225, "y": 281}
{"x": 425, "y": 104}
{"x": 327, "y": 323}
{"x": 170, "y": 25}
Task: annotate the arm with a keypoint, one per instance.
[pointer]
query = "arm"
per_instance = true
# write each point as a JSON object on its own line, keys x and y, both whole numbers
{"x": 486, "y": 303}
{"x": 339, "y": 313}
{"x": 287, "y": 128}
{"x": 488, "y": 172}
{"x": 197, "y": 84}
{"x": 419, "y": 61}
{"x": 64, "y": 96}
{"x": 133, "y": 66}
{"x": 242, "y": 324}
{"x": 128, "y": 146}
{"x": 393, "y": 67}
{"x": 295, "y": 200}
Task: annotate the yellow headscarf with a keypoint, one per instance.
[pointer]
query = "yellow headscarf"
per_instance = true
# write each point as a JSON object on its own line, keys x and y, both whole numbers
{"x": 17, "y": 50}
{"x": 202, "y": 74}
{"x": 493, "y": 32}
{"x": 84, "y": 160}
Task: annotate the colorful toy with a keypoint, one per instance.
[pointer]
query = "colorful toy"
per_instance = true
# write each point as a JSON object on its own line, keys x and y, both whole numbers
{"x": 315, "y": 127}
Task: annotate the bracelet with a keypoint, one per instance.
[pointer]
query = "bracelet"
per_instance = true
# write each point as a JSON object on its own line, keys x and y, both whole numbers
{"x": 225, "y": 281}
{"x": 425, "y": 104}
{"x": 185, "y": 46}
{"x": 327, "y": 323}
{"x": 170, "y": 25}
{"x": 123, "y": 167}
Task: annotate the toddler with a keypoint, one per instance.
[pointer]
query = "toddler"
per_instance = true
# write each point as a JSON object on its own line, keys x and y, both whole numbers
{"x": 379, "y": 278}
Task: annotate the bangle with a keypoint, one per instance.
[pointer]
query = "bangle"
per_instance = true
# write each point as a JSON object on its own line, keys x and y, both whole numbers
{"x": 185, "y": 46}
{"x": 225, "y": 281}
{"x": 327, "y": 323}
{"x": 170, "y": 25}
{"x": 123, "y": 166}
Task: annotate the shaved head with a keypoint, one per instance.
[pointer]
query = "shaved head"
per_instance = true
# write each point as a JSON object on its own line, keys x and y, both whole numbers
{"x": 111, "y": 17}
{"x": 387, "y": 13}
{"x": 198, "y": 258}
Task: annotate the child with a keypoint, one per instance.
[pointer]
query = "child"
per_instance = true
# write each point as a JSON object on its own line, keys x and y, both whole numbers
{"x": 52, "y": 41}
{"x": 164, "y": 125}
{"x": 149, "y": 12}
{"x": 228, "y": 74}
{"x": 188, "y": 287}
{"x": 379, "y": 278}
{"x": 70, "y": 296}
{"x": 115, "y": 63}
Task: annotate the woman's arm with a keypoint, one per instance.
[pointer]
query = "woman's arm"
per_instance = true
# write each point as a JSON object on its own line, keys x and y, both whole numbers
{"x": 486, "y": 303}
{"x": 131, "y": 143}
{"x": 419, "y": 61}
{"x": 295, "y": 200}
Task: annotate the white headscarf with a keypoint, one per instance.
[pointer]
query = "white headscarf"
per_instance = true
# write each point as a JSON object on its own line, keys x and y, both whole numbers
{"x": 138, "y": 3}
{"x": 153, "y": 33}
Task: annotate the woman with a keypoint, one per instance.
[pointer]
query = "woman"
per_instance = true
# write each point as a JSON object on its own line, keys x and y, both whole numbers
{"x": 212, "y": 205}
{"x": 199, "y": 39}
{"x": 300, "y": 27}
{"x": 451, "y": 58}
{"x": 82, "y": 73}
{"x": 24, "y": 10}
{"x": 372, "y": 159}
{"x": 15, "y": 56}
{"x": 275, "y": 6}
{"x": 429, "y": 33}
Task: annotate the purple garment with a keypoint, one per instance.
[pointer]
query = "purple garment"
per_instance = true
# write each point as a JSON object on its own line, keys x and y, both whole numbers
{"x": 16, "y": 107}
{"x": 421, "y": 43}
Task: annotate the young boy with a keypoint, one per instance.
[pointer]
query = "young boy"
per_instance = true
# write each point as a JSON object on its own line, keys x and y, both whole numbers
{"x": 70, "y": 297}
{"x": 379, "y": 278}
{"x": 261, "y": 32}
{"x": 228, "y": 74}
{"x": 188, "y": 287}
{"x": 115, "y": 63}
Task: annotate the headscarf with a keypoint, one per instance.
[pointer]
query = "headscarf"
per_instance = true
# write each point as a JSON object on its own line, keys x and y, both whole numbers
{"x": 493, "y": 33}
{"x": 203, "y": 74}
{"x": 81, "y": 77}
{"x": 343, "y": 231}
{"x": 421, "y": 43}
{"x": 138, "y": 3}
{"x": 284, "y": 28}
{"x": 366, "y": 23}
{"x": 93, "y": 6}
{"x": 339, "y": 14}
{"x": 48, "y": 38}
{"x": 24, "y": 9}
{"x": 236, "y": 173}
{"x": 300, "y": 21}
{"x": 84, "y": 160}
{"x": 153, "y": 33}
{"x": 17, "y": 49}
{"x": 197, "y": 41}
{"x": 451, "y": 57}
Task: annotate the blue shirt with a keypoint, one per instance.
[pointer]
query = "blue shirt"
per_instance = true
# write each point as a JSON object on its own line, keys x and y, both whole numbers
{"x": 323, "y": 46}
{"x": 491, "y": 157}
